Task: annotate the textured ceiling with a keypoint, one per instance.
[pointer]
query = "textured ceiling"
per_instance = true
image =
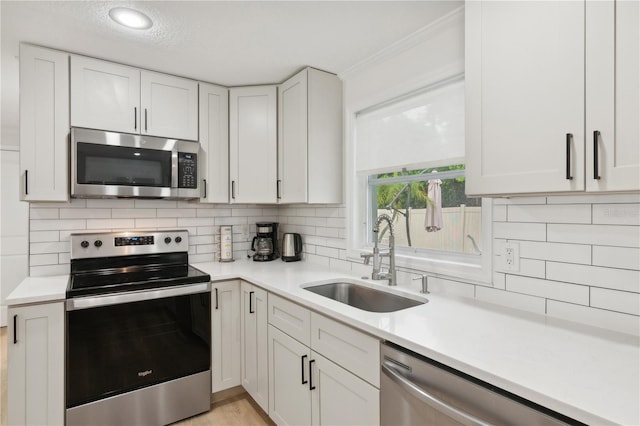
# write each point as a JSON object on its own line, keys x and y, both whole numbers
{"x": 231, "y": 43}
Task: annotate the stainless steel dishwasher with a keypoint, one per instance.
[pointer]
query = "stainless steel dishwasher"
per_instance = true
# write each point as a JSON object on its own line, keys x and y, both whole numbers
{"x": 415, "y": 390}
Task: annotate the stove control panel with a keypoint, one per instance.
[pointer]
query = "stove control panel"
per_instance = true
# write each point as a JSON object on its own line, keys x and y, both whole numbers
{"x": 128, "y": 243}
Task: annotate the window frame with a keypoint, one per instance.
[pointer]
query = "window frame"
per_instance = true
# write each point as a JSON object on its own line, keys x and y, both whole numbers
{"x": 473, "y": 268}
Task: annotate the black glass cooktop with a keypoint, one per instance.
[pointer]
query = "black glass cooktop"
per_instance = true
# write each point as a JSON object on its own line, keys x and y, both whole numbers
{"x": 131, "y": 273}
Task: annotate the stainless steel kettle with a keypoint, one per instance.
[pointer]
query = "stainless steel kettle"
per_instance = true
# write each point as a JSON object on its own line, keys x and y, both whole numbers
{"x": 291, "y": 247}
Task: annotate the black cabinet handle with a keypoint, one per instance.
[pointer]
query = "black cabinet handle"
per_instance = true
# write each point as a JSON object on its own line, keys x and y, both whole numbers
{"x": 216, "y": 298}
{"x": 251, "y": 311}
{"x": 204, "y": 184}
{"x": 278, "y": 183}
{"x": 596, "y": 139}
{"x": 304, "y": 382}
{"x": 135, "y": 118}
{"x": 26, "y": 182}
{"x": 569, "y": 141}
{"x": 15, "y": 329}
{"x": 311, "y": 387}
{"x": 233, "y": 189}
{"x": 145, "y": 119}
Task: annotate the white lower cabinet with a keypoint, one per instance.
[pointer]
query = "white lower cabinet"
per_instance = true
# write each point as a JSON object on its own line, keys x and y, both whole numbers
{"x": 35, "y": 365}
{"x": 309, "y": 385}
{"x": 253, "y": 342}
{"x": 225, "y": 335}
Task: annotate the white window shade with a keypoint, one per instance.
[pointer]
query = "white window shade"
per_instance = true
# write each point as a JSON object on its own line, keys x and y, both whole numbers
{"x": 425, "y": 129}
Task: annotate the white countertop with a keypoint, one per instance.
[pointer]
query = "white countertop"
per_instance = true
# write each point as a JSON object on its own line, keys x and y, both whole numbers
{"x": 585, "y": 373}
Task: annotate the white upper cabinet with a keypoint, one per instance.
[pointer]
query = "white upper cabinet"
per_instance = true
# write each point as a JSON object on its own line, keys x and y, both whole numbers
{"x": 120, "y": 98}
{"x": 44, "y": 124}
{"x": 310, "y": 138}
{"x": 214, "y": 143}
{"x": 169, "y": 106}
{"x": 104, "y": 95}
{"x": 253, "y": 144}
{"x": 538, "y": 74}
{"x": 613, "y": 95}
{"x": 524, "y": 82}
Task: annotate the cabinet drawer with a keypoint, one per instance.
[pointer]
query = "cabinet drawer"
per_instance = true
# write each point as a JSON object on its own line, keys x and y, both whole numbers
{"x": 349, "y": 348}
{"x": 290, "y": 318}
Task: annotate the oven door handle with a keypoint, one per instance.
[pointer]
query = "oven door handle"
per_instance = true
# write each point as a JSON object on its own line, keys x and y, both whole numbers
{"x": 113, "y": 299}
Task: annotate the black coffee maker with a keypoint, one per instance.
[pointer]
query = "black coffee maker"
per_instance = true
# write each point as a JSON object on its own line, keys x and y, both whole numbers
{"x": 265, "y": 243}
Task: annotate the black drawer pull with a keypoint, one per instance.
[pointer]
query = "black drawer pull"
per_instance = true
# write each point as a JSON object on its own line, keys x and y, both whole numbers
{"x": 596, "y": 139}
{"x": 15, "y": 329}
{"x": 251, "y": 311}
{"x": 216, "y": 298}
{"x": 311, "y": 387}
{"x": 304, "y": 382}
{"x": 569, "y": 141}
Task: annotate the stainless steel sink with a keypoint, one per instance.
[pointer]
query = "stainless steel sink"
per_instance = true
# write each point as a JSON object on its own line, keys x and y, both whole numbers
{"x": 365, "y": 298}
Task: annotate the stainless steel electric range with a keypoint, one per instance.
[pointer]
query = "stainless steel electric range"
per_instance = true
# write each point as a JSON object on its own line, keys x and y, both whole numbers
{"x": 138, "y": 330}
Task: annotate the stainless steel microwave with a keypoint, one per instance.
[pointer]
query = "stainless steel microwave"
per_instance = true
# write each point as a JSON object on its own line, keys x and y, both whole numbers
{"x": 120, "y": 165}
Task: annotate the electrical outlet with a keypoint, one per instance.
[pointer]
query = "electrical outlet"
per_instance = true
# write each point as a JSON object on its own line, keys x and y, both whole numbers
{"x": 511, "y": 257}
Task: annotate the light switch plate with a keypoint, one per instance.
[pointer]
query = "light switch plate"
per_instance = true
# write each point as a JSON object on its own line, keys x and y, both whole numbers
{"x": 511, "y": 257}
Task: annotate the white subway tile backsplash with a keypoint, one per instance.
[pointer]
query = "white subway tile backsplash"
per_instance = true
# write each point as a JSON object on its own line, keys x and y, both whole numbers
{"x": 328, "y": 252}
{"x": 236, "y": 220}
{"x": 619, "y": 279}
{"x": 46, "y": 270}
{"x": 49, "y": 247}
{"x": 623, "y": 323}
{"x": 443, "y": 286}
{"x": 44, "y": 236}
{"x": 85, "y": 213}
{"x": 619, "y": 301}
{"x": 110, "y": 204}
{"x": 167, "y": 223}
{"x": 605, "y": 235}
{"x": 571, "y": 253}
{"x": 513, "y": 300}
{"x": 199, "y": 221}
{"x": 617, "y": 257}
{"x": 110, "y": 224}
{"x": 156, "y": 204}
{"x": 499, "y": 280}
{"x": 57, "y": 225}
{"x": 529, "y": 268}
{"x": 43, "y": 259}
{"x": 499, "y": 213}
{"x": 549, "y": 213}
{"x": 550, "y": 289}
{"x": 45, "y": 213}
{"x": 616, "y": 214}
{"x": 213, "y": 212}
{"x": 133, "y": 213}
{"x": 520, "y": 231}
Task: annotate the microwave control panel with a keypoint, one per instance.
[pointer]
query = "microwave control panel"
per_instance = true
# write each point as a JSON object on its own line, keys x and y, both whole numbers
{"x": 187, "y": 170}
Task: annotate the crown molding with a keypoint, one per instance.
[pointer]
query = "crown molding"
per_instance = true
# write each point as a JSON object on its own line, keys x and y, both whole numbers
{"x": 405, "y": 43}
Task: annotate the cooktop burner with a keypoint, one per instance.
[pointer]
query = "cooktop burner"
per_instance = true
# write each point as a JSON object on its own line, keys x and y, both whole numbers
{"x": 111, "y": 262}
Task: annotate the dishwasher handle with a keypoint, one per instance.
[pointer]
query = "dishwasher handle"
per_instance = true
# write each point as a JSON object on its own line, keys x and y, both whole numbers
{"x": 388, "y": 368}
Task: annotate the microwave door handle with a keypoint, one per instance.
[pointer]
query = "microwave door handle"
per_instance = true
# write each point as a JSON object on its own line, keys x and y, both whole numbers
{"x": 429, "y": 399}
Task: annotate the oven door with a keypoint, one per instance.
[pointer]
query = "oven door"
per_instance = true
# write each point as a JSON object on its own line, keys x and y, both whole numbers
{"x": 122, "y": 342}
{"x": 109, "y": 165}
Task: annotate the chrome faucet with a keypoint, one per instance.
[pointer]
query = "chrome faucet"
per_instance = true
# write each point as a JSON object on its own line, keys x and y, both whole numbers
{"x": 376, "y": 274}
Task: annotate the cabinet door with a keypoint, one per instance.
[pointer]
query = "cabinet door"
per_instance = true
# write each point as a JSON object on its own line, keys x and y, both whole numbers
{"x": 613, "y": 95}
{"x": 225, "y": 329}
{"x": 214, "y": 143}
{"x": 44, "y": 124}
{"x": 169, "y": 106}
{"x": 290, "y": 402}
{"x": 253, "y": 144}
{"x": 524, "y": 83}
{"x": 292, "y": 139}
{"x": 104, "y": 95}
{"x": 341, "y": 398}
{"x": 254, "y": 344}
{"x": 35, "y": 367}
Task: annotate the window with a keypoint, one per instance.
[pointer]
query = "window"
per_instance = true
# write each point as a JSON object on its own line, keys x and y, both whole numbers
{"x": 408, "y": 163}
{"x": 428, "y": 208}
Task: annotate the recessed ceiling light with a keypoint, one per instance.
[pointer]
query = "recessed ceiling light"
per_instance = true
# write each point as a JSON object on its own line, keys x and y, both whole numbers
{"x": 130, "y": 18}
